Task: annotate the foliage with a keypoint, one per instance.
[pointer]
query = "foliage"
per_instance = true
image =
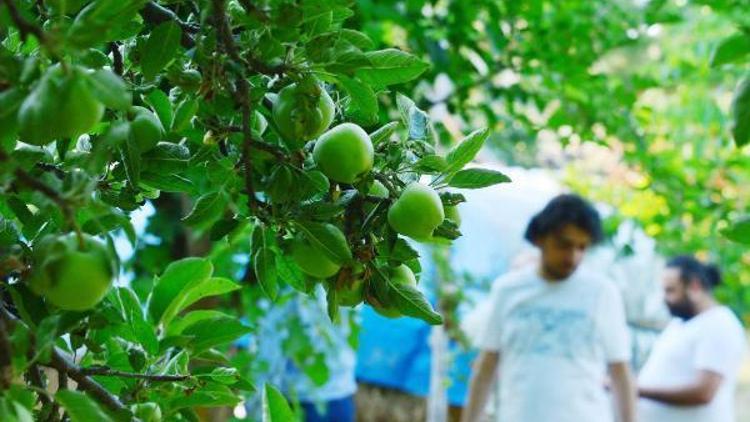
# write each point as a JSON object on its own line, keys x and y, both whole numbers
{"x": 207, "y": 111}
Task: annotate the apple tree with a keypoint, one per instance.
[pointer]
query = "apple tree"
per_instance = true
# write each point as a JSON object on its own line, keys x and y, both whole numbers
{"x": 265, "y": 129}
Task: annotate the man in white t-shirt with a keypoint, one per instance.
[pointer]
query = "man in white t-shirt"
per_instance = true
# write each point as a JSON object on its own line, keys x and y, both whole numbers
{"x": 691, "y": 373}
{"x": 553, "y": 331}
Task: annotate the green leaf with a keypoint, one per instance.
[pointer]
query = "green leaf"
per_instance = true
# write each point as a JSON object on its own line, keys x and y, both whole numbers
{"x": 159, "y": 101}
{"x": 275, "y": 406}
{"x": 391, "y": 66}
{"x": 131, "y": 159}
{"x": 477, "y": 178}
{"x": 176, "y": 327}
{"x": 412, "y": 302}
{"x": 226, "y": 376}
{"x": 211, "y": 332}
{"x": 166, "y": 157}
{"x": 739, "y": 231}
{"x": 430, "y": 164}
{"x": 185, "y": 111}
{"x": 160, "y": 48}
{"x": 102, "y": 21}
{"x": 264, "y": 261}
{"x": 741, "y": 113}
{"x": 732, "y": 49}
{"x": 109, "y": 89}
{"x": 195, "y": 291}
{"x": 415, "y": 120}
{"x": 80, "y": 407}
{"x": 167, "y": 182}
{"x": 384, "y": 133}
{"x": 134, "y": 317}
{"x": 207, "y": 209}
{"x": 175, "y": 278}
{"x": 211, "y": 395}
{"x": 465, "y": 151}
{"x": 290, "y": 273}
{"x": 363, "y": 104}
{"x": 329, "y": 239}
{"x": 358, "y": 39}
{"x": 312, "y": 183}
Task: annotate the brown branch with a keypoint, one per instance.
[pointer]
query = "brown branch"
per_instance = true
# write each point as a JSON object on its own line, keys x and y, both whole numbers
{"x": 155, "y": 14}
{"x": 24, "y": 27}
{"x": 266, "y": 69}
{"x": 61, "y": 363}
{"x": 6, "y": 369}
{"x": 107, "y": 372}
{"x": 116, "y": 58}
{"x": 241, "y": 95}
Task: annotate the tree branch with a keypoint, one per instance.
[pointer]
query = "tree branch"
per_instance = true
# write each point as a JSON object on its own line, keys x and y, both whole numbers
{"x": 6, "y": 369}
{"x": 155, "y": 14}
{"x": 116, "y": 58}
{"x": 241, "y": 95}
{"x": 107, "y": 372}
{"x": 24, "y": 27}
{"x": 60, "y": 362}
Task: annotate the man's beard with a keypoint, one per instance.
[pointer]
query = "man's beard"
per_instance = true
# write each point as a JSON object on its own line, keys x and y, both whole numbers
{"x": 683, "y": 309}
{"x": 556, "y": 274}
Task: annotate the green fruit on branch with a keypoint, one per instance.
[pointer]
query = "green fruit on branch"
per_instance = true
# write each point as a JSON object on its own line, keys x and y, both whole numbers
{"x": 147, "y": 412}
{"x": 71, "y": 274}
{"x": 417, "y": 212}
{"x": 312, "y": 261}
{"x": 399, "y": 276}
{"x": 351, "y": 293}
{"x": 145, "y": 127}
{"x": 60, "y": 106}
{"x": 302, "y": 113}
{"x": 344, "y": 153}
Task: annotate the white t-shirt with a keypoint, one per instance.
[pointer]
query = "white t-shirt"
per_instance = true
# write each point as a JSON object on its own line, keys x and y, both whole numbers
{"x": 555, "y": 340}
{"x": 713, "y": 340}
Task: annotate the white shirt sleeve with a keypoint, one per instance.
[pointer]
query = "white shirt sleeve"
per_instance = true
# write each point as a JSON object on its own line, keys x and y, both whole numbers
{"x": 613, "y": 328}
{"x": 489, "y": 335}
{"x": 719, "y": 349}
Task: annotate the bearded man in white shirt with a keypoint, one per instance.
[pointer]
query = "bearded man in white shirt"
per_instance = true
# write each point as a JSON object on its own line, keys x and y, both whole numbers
{"x": 691, "y": 373}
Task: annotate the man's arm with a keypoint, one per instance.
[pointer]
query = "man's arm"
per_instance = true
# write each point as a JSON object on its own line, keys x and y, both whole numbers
{"x": 702, "y": 391}
{"x": 623, "y": 389}
{"x": 483, "y": 376}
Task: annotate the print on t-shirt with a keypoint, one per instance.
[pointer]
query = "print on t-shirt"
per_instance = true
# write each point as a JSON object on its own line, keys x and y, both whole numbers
{"x": 549, "y": 331}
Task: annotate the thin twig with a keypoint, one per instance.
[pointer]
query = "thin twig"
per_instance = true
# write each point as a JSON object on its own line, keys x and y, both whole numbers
{"x": 107, "y": 372}
{"x": 255, "y": 144}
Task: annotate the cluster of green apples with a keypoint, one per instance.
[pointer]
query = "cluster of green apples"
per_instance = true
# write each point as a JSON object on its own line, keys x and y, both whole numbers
{"x": 345, "y": 154}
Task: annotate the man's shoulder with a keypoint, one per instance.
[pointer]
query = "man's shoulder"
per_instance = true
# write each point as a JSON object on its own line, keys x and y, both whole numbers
{"x": 515, "y": 278}
{"x": 724, "y": 317}
{"x": 595, "y": 281}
